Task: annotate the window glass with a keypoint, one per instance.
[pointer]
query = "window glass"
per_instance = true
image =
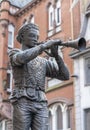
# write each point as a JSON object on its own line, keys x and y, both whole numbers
{"x": 87, "y": 71}
{"x": 59, "y": 118}
{"x": 58, "y": 12}
{"x": 51, "y": 16}
{"x": 10, "y": 36}
{"x": 87, "y": 119}
{"x": 9, "y": 80}
{"x": 87, "y": 34}
{"x": 54, "y": 17}
{"x": 69, "y": 118}
{"x": 50, "y": 120}
{"x": 10, "y": 39}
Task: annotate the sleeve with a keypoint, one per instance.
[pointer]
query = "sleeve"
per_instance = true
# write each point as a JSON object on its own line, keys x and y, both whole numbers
{"x": 13, "y": 57}
{"x": 19, "y": 57}
{"x": 54, "y": 70}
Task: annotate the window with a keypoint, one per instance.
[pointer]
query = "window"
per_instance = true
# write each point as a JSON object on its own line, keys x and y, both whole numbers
{"x": 87, "y": 70}
{"x": 50, "y": 120}
{"x": 87, "y": 119}
{"x": 58, "y": 13}
{"x": 9, "y": 80}
{"x": 51, "y": 16}
{"x": 87, "y": 36}
{"x": 10, "y": 36}
{"x": 69, "y": 111}
{"x": 59, "y": 117}
{"x": 54, "y": 17}
{"x": 51, "y": 19}
{"x": 13, "y": 10}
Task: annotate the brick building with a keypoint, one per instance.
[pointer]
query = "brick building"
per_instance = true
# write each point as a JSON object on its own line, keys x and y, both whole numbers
{"x": 82, "y": 70}
{"x": 55, "y": 21}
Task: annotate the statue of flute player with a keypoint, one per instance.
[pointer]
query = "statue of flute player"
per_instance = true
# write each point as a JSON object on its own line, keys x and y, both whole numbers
{"x": 29, "y": 72}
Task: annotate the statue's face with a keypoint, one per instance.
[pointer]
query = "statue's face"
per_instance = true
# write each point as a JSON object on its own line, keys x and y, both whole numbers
{"x": 30, "y": 38}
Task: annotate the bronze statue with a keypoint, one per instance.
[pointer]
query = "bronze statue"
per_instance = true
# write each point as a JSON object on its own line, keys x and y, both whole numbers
{"x": 29, "y": 72}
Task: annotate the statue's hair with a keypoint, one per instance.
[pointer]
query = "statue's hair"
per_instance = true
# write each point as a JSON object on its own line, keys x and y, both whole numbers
{"x": 25, "y": 28}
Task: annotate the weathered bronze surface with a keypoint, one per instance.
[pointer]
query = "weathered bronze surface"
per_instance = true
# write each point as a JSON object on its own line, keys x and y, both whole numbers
{"x": 29, "y": 72}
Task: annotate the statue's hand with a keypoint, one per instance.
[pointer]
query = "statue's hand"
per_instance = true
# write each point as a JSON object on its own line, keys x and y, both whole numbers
{"x": 54, "y": 51}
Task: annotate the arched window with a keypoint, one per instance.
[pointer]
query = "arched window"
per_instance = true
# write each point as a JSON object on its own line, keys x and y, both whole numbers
{"x": 59, "y": 118}
{"x": 54, "y": 17}
{"x": 58, "y": 12}
{"x": 10, "y": 36}
{"x": 50, "y": 16}
{"x": 68, "y": 118}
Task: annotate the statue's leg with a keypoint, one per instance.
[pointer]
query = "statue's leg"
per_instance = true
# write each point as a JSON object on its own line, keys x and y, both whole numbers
{"x": 40, "y": 119}
{"x": 21, "y": 115}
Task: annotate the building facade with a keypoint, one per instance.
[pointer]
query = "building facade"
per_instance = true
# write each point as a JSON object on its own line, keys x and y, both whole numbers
{"x": 82, "y": 70}
{"x": 55, "y": 20}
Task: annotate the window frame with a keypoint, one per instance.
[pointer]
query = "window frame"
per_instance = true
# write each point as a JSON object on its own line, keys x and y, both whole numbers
{"x": 85, "y": 73}
{"x": 64, "y": 108}
{"x": 9, "y": 88}
{"x": 11, "y": 30}
{"x": 50, "y": 17}
{"x": 85, "y": 117}
{"x": 58, "y": 17}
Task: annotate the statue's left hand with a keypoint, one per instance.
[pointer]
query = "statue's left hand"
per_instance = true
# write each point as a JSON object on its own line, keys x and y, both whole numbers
{"x": 54, "y": 50}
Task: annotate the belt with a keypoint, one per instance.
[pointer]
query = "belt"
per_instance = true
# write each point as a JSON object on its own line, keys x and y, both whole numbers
{"x": 26, "y": 87}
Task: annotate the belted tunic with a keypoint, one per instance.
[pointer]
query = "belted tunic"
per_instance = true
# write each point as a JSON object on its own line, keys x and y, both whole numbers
{"x": 29, "y": 77}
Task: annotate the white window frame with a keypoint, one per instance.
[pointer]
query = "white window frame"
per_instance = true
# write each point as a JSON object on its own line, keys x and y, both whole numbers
{"x": 58, "y": 6}
{"x": 11, "y": 30}
{"x": 86, "y": 84}
{"x": 53, "y": 109}
{"x": 9, "y": 88}
{"x": 50, "y": 18}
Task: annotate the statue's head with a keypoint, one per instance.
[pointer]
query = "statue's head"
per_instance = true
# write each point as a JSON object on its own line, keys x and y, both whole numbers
{"x": 28, "y": 34}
